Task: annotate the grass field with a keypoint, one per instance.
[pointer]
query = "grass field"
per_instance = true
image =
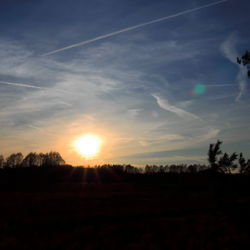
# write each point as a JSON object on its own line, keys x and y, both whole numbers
{"x": 125, "y": 215}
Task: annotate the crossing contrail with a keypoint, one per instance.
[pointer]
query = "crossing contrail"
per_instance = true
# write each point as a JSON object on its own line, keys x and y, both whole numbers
{"x": 133, "y": 27}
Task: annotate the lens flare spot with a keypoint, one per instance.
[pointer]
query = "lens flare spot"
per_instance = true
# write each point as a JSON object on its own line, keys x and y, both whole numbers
{"x": 199, "y": 89}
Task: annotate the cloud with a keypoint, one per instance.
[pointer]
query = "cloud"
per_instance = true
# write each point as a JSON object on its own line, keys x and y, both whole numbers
{"x": 181, "y": 153}
{"x": 242, "y": 80}
{"x": 135, "y": 27}
{"x": 43, "y": 131}
{"x": 212, "y": 133}
{"x": 134, "y": 112}
{"x": 228, "y": 48}
{"x": 110, "y": 86}
{"x": 164, "y": 104}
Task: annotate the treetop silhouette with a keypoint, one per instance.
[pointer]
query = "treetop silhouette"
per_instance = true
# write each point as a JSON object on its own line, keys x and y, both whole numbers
{"x": 245, "y": 60}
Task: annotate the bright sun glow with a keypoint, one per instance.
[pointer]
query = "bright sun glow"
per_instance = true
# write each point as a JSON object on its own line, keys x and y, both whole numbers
{"x": 88, "y": 145}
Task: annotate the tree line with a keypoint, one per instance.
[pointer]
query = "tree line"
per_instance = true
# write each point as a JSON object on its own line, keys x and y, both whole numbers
{"x": 31, "y": 160}
{"x": 219, "y": 162}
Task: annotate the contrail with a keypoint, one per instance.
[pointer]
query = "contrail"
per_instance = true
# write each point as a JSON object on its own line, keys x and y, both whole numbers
{"x": 133, "y": 27}
{"x": 219, "y": 97}
{"x": 221, "y": 85}
{"x": 24, "y": 85}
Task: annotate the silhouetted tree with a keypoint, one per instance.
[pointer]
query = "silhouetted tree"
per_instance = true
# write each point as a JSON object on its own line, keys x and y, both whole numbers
{"x": 131, "y": 170}
{"x": 118, "y": 169}
{"x": 1, "y": 161}
{"x": 192, "y": 169}
{"x": 162, "y": 169}
{"x": 151, "y": 169}
{"x": 202, "y": 168}
{"x": 244, "y": 165}
{"x": 213, "y": 152}
{"x": 32, "y": 159}
{"x": 42, "y": 158}
{"x": 147, "y": 169}
{"x": 52, "y": 159}
{"x": 226, "y": 163}
{"x": 245, "y": 60}
{"x": 14, "y": 160}
{"x": 177, "y": 168}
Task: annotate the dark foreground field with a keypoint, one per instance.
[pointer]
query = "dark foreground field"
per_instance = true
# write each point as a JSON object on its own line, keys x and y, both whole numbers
{"x": 128, "y": 212}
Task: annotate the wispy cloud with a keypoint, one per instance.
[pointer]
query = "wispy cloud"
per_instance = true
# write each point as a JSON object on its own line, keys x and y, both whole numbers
{"x": 43, "y": 131}
{"x": 134, "y": 112}
{"x": 106, "y": 88}
{"x": 229, "y": 49}
{"x": 111, "y": 93}
{"x": 164, "y": 104}
{"x": 135, "y": 27}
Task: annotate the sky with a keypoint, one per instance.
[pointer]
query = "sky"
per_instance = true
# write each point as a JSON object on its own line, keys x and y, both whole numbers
{"x": 157, "y": 81}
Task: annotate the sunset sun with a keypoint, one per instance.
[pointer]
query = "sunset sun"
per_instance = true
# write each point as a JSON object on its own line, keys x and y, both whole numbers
{"x": 88, "y": 145}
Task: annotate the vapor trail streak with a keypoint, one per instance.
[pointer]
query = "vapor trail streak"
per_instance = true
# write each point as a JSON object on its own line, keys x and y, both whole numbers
{"x": 24, "y": 85}
{"x": 221, "y": 85}
{"x": 133, "y": 27}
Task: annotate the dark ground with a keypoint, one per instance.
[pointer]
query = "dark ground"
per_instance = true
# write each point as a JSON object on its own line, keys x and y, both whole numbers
{"x": 130, "y": 212}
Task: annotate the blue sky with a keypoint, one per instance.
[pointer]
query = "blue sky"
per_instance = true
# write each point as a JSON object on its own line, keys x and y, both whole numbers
{"x": 135, "y": 89}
